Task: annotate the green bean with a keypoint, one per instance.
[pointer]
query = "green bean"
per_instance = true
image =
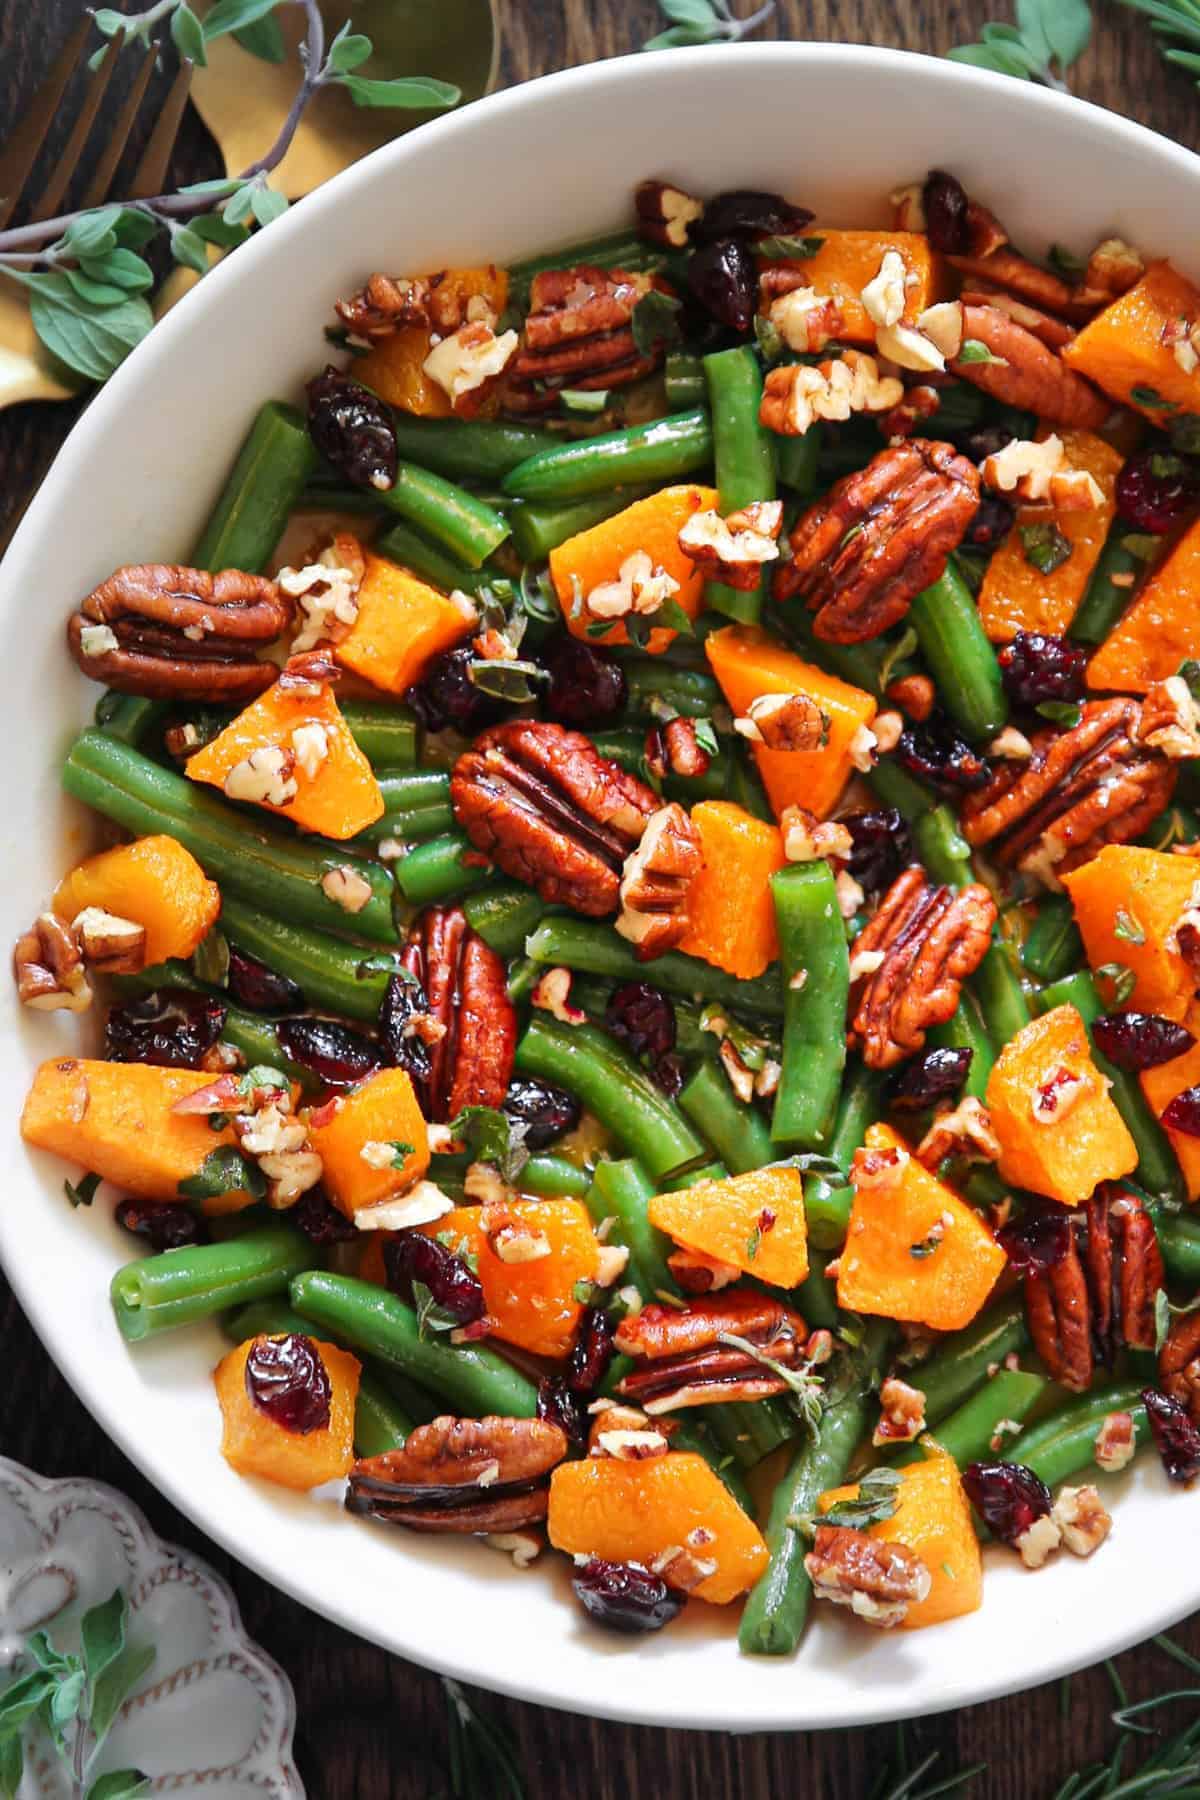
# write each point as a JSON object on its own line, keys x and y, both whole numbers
{"x": 623, "y": 1190}
{"x": 895, "y": 787}
{"x": 826, "y": 1203}
{"x": 941, "y": 846}
{"x": 996, "y": 985}
{"x": 251, "y": 1033}
{"x": 1110, "y": 590}
{"x": 816, "y": 1297}
{"x": 738, "y": 1133}
{"x": 258, "y": 863}
{"x": 963, "y": 1362}
{"x": 617, "y": 250}
{"x": 683, "y": 378}
{"x": 1157, "y": 1169}
{"x": 264, "y": 484}
{"x": 473, "y": 1378}
{"x": 617, "y": 1090}
{"x": 400, "y": 544}
{"x": 816, "y": 975}
{"x": 661, "y": 451}
{"x": 1053, "y": 946}
{"x": 626, "y": 745}
{"x": 504, "y": 914}
{"x": 467, "y": 449}
{"x": 462, "y": 524}
{"x": 388, "y": 735}
{"x": 537, "y": 529}
{"x": 1179, "y": 1241}
{"x": 777, "y": 1607}
{"x": 746, "y": 790}
{"x": 436, "y": 870}
{"x": 796, "y": 461}
{"x": 594, "y": 948}
{"x": 742, "y": 453}
{"x": 652, "y": 684}
{"x": 181, "y": 1287}
{"x": 1064, "y": 1443}
{"x": 959, "y": 655}
{"x": 965, "y": 1030}
{"x": 859, "y": 664}
{"x": 129, "y": 717}
{"x": 418, "y": 807}
{"x": 329, "y": 970}
{"x": 272, "y": 1317}
{"x": 968, "y": 1434}
{"x": 552, "y": 1177}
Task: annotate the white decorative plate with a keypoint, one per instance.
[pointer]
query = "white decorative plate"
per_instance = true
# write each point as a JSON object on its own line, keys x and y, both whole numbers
{"x": 212, "y": 1718}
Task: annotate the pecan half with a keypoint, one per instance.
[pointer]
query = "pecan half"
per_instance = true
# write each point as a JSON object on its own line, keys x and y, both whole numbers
{"x": 877, "y": 1580}
{"x": 464, "y": 1475}
{"x": 1100, "y": 1297}
{"x": 48, "y": 968}
{"x": 657, "y": 880}
{"x": 1024, "y": 372}
{"x": 1054, "y": 333}
{"x": 173, "y": 633}
{"x": 930, "y": 938}
{"x": 681, "y": 1360}
{"x": 387, "y": 302}
{"x": 1179, "y": 1364}
{"x": 665, "y": 214}
{"x": 579, "y": 333}
{"x": 1014, "y": 274}
{"x": 1096, "y": 784}
{"x": 470, "y": 1059}
{"x": 862, "y": 554}
{"x": 552, "y": 812}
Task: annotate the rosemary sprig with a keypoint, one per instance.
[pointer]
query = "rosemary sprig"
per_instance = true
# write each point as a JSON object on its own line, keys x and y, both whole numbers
{"x": 482, "y": 1754}
{"x": 1174, "y": 22}
{"x": 705, "y": 22}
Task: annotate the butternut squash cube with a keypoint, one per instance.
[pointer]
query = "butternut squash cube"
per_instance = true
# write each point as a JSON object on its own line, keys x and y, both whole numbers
{"x": 531, "y": 1303}
{"x": 339, "y": 798}
{"x": 913, "y": 1249}
{"x": 933, "y": 1520}
{"x": 1160, "y": 1087}
{"x": 731, "y": 912}
{"x": 754, "y": 1222}
{"x": 593, "y": 557}
{"x": 848, "y": 260}
{"x": 1123, "y": 349}
{"x": 1127, "y": 902}
{"x": 1059, "y": 1132}
{"x": 382, "y": 1112}
{"x": 156, "y": 883}
{"x": 633, "y": 1511}
{"x": 1161, "y": 628}
{"x": 402, "y": 624}
{"x": 394, "y": 368}
{"x": 254, "y": 1443}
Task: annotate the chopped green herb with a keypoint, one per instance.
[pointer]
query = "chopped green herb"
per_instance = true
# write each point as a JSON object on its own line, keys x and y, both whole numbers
{"x": 752, "y": 1244}
{"x": 1119, "y": 980}
{"x": 655, "y": 322}
{"x": 769, "y": 339}
{"x": 1046, "y": 547}
{"x": 1148, "y": 396}
{"x": 224, "y": 1171}
{"x": 706, "y": 736}
{"x": 511, "y": 680}
{"x": 928, "y": 1245}
{"x": 83, "y": 1191}
{"x": 583, "y": 400}
{"x": 877, "y": 1499}
{"x": 1066, "y": 713}
{"x": 974, "y": 351}
{"x": 492, "y": 1137}
{"x": 787, "y": 248}
{"x": 1127, "y": 928}
{"x": 904, "y": 646}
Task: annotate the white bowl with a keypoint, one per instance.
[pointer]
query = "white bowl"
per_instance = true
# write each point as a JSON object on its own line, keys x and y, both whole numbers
{"x": 537, "y": 166}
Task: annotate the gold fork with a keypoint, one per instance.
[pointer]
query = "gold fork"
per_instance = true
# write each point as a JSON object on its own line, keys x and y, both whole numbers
{"x": 26, "y": 372}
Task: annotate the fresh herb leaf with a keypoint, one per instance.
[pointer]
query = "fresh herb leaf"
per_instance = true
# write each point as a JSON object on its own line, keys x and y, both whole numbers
{"x": 1066, "y": 263}
{"x": 92, "y": 342}
{"x": 267, "y": 203}
{"x": 584, "y": 1292}
{"x": 223, "y": 1171}
{"x": 12, "y": 1765}
{"x": 655, "y": 322}
{"x": 235, "y": 15}
{"x": 877, "y": 1499}
{"x": 1119, "y": 980}
{"x": 210, "y": 959}
{"x": 904, "y": 646}
{"x": 83, "y": 1191}
{"x": 1046, "y": 547}
{"x": 752, "y": 1244}
{"x": 769, "y": 339}
{"x": 1066, "y": 713}
{"x": 188, "y": 249}
{"x": 492, "y": 1137}
{"x": 409, "y": 92}
{"x": 120, "y": 1784}
{"x": 263, "y": 39}
{"x": 973, "y": 350}
{"x": 483, "y": 1756}
{"x": 431, "y": 1316}
{"x": 262, "y": 1075}
{"x": 788, "y": 248}
{"x": 1162, "y": 1319}
{"x": 513, "y": 681}
{"x": 927, "y": 1246}
{"x": 704, "y": 22}
{"x": 21, "y": 1700}
{"x": 1148, "y": 396}
{"x": 187, "y": 35}
{"x": 111, "y": 1689}
{"x": 1048, "y": 37}
{"x": 706, "y": 736}
{"x": 805, "y": 1390}
{"x": 1190, "y": 671}
{"x": 349, "y": 50}
{"x": 1127, "y": 928}
{"x": 102, "y": 1633}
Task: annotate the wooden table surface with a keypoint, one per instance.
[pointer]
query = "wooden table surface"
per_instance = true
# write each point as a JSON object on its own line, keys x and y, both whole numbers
{"x": 372, "y": 1727}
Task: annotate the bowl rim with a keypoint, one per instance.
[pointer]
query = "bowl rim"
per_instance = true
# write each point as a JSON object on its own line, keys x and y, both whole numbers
{"x": 476, "y": 1663}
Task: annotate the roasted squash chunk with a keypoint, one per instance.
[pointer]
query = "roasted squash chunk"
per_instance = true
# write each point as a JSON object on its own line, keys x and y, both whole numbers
{"x": 594, "y": 557}
{"x": 933, "y": 1519}
{"x": 754, "y": 1222}
{"x": 731, "y": 912}
{"x": 254, "y": 1443}
{"x": 156, "y": 883}
{"x": 380, "y": 1115}
{"x": 1127, "y": 903}
{"x": 530, "y": 1274}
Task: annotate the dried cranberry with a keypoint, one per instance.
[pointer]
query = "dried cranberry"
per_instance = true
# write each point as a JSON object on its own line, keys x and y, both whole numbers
{"x": 591, "y": 1352}
{"x": 1036, "y": 666}
{"x": 992, "y": 523}
{"x": 319, "y": 1219}
{"x": 1176, "y": 1438}
{"x": 924, "y": 1079}
{"x": 1156, "y": 490}
{"x": 935, "y": 753}
{"x": 1038, "y": 1240}
{"x": 259, "y": 988}
{"x": 353, "y": 430}
{"x": 547, "y": 1112}
{"x": 724, "y": 280}
{"x": 1138, "y": 1040}
{"x": 749, "y": 213}
{"x": 587, "y": 686}
{"x": 1008, "y": 1497}
{"x": 287, "y": 1380}
{"x": 559, "y": 1406}
{"x": 881, "y": 845}
{"x": 447, "y": 699}
{"x": 403, "y": 1001}
{"x": 165, "y": 1227}
{"x": 1183, "y": 1113}
{"x": 168, "y": 1027}
{"x": 625, "y": 1596}
{"x": 336, "y": 1055}
{"x": 978, "y": 442}
{"x": 945, "y": 202}
{"x": 669, "y": 1072}
{"x": 453, "y": 1283}
{"x": 642, "y": 1017}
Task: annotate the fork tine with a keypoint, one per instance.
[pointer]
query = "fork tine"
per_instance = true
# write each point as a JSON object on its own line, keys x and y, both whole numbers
{"x": 25, "y": 142}
{"x": 48, "y": 201}
{"x": 106, "y": 168}
{"x": 151, "y": 171}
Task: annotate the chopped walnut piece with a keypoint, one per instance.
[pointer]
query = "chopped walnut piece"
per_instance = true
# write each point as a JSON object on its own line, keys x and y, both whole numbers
{"x": 1113, "y": 268}
{"x": 48, "y": 968}
{"x": 1037, "y": 471}
{"x": 346, "y": 887}
{"x": 1011, "y": 746}
{"x": 877, "y": 1580}
{"x": 310, "y": 745}
{"x": 420, "y": 1204}
{"x": 1116, "y": 1442}
{"x": 796, "y": 395}
{"x": 468, "y": 362}
{"x": 113, "y": 945}
{"x": 784, "y": 722}
{"x": 1170, "y": 719}
{"x": 327, "y": 592}
{"x": 665, "y": 213}
{"x": 914, "y": 695}
{"x": 1039, "y": 1541}
{"x": 697, "y": 1273}
{"x": 734, "y": 549}
{"x": 1054, "y": 1097}
{"x": 908, "y": 207}
{"x": 902, "y": 1413}
{"x": 887, "y": 728}
{"x": 681, "y": 1569}
{"x": 1082, "y": 1519}
{"x": 630, "y": 1446}
{"x": 513, "y": 1242}
{"x": 264, "y": 778}
{"x": 552, "y": 993}
{"x": 966, "y": 1130}
{"x": 804, "y": 319}
{"x": 657, "y": 880}
{"x": 874, "y": 1170}
{"x": 807, "y": 838}
{"x": 523, "y": 1547}
{"x": 387, "y": 302}
{"x": 884, "y": 296}
{"x": 943, "y": 326}
{"x": 640, "y": 588}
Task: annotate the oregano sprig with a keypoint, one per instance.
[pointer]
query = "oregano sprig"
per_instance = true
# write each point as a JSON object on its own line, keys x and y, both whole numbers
{"x": 1048, "y": 37}
{"x": 705, "y": 22}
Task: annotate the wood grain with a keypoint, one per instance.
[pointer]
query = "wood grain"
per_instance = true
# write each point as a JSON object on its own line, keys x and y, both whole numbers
{"x": 372, "y": 1727}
